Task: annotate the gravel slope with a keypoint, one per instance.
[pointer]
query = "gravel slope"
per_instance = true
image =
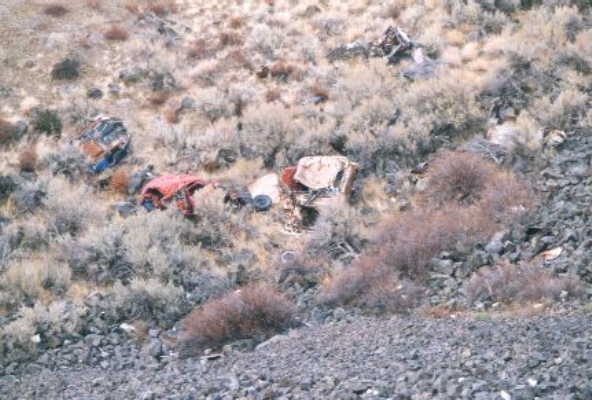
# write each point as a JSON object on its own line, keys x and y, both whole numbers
{"x": 545, "y": 357}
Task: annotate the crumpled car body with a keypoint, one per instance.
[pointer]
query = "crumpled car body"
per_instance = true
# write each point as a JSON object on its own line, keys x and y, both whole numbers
{"x": 314, "y": 183}
{"x": 320, "y": 180}
{"x": 105, "y": 142}
{"x": 159, "y": 192}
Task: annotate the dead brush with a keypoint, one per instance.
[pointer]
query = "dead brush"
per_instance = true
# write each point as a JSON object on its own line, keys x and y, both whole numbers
{"x": 158, "y": 99}
{"x": 254, "y": 311}
{"x": 281, "y": 70}
{"x": 508, "y": 283}
{"x": 458, "y": 177}
{"x": 94, "y": 4}
{"x": 55, "y": 10}
{"x": 237, "y": 59}
{"x": 163, "y": 8}
{"x": 230, "y": 39}
{"x": 468, "y": 179}
{"x": 116, "y": 33}
{"x": 199, "y": 50}
{"x": 273, "y": 95}
{"x": 27, "y": 160}
{"x": 119, "y": 182}
{"x": 369, "y": 285}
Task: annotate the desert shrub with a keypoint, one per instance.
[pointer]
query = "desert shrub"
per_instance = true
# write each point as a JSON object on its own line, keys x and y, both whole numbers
{"x": 264, "y": 132}
{"x": 29, "y": 196}
{"x": 507, "y": 283}
{"x": 458, "y": 177}
{"x": 67, "y": 162}
{"x": 148, "y": 300}
{"x": 27, "y": 160}
{"x": 370, "y": 286}
{"x": 199, "y": 50}
{"x": 255, "y": 311}
{"x": 70, "y": 209}
{"x": 408, "y": 243}
{"x": 564, "y": 112}
{"x": 7, "y": 186}
{"x": 116, "y": 33}
{"x": 336, "y": 235}
{"x": 47, "y": 121}
{"x": 468, "y": 179}
{"x": 55, "y": 10}
{"x": 230, "y": 39}
{"x": 7, "y": 131}
{"x": 99, "y": 256}
{"x": 38, "y": 328}
{"x": 67, "y": 69}
{"x": 162, "y": 8}
{"x": 27, "y": 281}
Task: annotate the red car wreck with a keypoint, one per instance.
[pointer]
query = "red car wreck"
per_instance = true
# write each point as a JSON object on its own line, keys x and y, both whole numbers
{"x": 160, "y": 191}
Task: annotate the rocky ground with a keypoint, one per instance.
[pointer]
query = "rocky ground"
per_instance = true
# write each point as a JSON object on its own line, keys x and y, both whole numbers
{"x": 350, "y": 357}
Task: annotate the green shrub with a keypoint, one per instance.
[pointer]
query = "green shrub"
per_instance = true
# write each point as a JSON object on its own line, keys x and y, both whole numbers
{"x": 48, "y": 122}
{"x": 68, "y": 69}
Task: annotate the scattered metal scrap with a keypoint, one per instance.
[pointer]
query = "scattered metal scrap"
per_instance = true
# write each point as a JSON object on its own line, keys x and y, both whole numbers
{"x": 394, "y": 45}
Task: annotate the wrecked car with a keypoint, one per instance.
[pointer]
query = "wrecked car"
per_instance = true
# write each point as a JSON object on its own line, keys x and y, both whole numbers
{"x": 319, "y": 180}
{"x": 105, "y": 142}
{"x": 160, "y": 192}
{"x": 303, "y": 189}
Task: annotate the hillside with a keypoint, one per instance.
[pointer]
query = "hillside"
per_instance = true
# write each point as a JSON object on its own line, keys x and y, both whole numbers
{"x": 358, "y": 181}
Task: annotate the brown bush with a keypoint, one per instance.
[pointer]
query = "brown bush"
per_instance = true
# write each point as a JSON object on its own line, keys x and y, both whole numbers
{"x": 237, "y": 59}
{"x": 28, "y": 160}
{"x": 162, "y": 8}
{"x": 171, "y": 116}
{"x": 94, "y": 4}
{"x": 507, "y": 283}
{"x": 230, "y": 39}
{"x": 199, "y": 50}
{"x": 55, "y": 10}
{"x": 255, "y": 311}
{"x": 368, "y": 284}
{"x": 468, "y": 179}
{"x": 116, "y": 33}
{"x": 236, "y": 22}
{"x": 458, "y": 177}
{"x": 158, "y": 99}
{"x": 281, "y": 70}
{"x": 133, "y": 7}
{"x": 272, "y": 95}
{"x": 119, "y": 181}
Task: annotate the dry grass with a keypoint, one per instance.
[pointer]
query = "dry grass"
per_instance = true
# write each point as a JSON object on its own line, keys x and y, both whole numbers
{"x": 116, "y": 33}
{"x": 254, "y": 311}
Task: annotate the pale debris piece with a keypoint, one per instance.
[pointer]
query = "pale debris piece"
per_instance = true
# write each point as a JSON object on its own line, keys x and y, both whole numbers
{"x": 552, "y": 254}
{"x": 268, "y": 185}
{"x": 319, "y": 172}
